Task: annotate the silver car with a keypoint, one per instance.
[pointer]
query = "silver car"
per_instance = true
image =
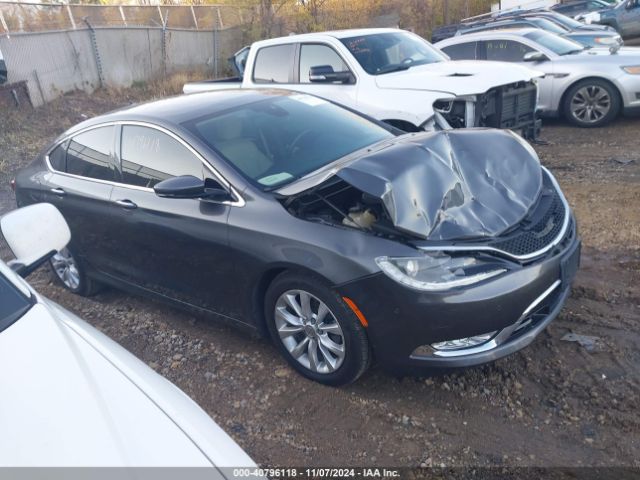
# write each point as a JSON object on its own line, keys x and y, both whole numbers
{"x": 588, "y": 86}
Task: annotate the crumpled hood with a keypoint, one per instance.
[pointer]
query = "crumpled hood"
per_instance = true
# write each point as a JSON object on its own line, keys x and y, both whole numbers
{"x": 451, "y": 184}
{"x": 464, "y": 77}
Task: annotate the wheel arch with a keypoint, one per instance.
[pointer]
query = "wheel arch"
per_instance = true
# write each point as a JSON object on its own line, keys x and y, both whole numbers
{"x": 262, "y": 285}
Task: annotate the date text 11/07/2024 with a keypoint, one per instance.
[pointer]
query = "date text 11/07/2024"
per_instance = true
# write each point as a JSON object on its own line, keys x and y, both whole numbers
{"x": 277, "y": 473}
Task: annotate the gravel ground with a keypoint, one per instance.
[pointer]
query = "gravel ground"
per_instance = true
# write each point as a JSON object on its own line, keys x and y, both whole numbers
{"x": 553, "y": 404}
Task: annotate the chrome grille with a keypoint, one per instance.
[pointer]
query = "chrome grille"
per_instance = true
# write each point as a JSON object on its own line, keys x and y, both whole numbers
{"x": 535, "y": 236}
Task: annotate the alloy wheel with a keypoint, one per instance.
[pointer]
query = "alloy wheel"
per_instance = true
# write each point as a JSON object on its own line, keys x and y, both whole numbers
{"x": 66, "y": 269}
{"x": 590, "y": 104}
{"x": 309, "y": 331}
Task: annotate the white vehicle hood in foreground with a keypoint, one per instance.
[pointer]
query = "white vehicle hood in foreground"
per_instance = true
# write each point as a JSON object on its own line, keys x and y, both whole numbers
{"x": 464, "y": 77}
{"x": 69, "y": 396}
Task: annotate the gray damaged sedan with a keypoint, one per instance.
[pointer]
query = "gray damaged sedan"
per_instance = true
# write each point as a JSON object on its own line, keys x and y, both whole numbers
{"x": 342, "y": 238}
{"x": 587, "y": 86}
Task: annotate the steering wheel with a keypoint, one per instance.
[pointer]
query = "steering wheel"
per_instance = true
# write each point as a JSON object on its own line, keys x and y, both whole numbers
{"x": 294, "y": 144}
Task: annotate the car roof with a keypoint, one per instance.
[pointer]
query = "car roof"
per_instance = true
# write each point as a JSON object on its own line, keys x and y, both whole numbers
{"x": 175, "y": 110}
{"x": 497, "y": 22}
{"x": 515, "y": 32}
{"x": 356, "y": 32}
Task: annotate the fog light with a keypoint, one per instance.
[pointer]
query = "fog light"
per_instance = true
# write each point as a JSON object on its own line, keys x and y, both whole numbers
{"x": 467, "y": 342}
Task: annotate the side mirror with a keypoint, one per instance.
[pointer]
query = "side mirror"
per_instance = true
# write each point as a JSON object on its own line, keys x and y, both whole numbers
{"x": 325, "y": 74}
{"x": 535, "y": 57}
{"x": 34, "y": 234}
{"x": 188, "y": 186}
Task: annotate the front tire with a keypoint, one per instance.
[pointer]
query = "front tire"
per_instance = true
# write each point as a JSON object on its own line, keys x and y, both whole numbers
{"x": 591, "y": 103}
{"x": 69, "y": 271}
{"x": 315, "y": 331}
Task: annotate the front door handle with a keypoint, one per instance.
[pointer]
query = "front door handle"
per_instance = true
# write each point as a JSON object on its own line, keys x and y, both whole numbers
{"x": 59, "y": 192}
{"x": 126, "y": 204}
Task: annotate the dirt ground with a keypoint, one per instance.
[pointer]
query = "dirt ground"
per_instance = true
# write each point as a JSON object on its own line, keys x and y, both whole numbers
{"x": 552, "y": 404}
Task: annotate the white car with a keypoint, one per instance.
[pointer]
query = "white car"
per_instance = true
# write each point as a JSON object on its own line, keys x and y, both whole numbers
{"x": 391, "y": 75}
{"x": 70, "y": 396}
{"x": 588, "y": 86}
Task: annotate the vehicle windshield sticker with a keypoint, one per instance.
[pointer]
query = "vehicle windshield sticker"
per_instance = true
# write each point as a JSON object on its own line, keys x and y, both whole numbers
{"x": 309, "y": 100}
{"x": 275, "y": 178}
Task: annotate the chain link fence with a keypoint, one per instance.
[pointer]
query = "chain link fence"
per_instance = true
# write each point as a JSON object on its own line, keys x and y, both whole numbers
{"x": 60, "y": 48}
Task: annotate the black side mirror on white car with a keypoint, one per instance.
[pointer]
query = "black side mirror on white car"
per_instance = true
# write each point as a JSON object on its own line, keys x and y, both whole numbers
{"x": 535, "y": 57}
{"x": 34, "y": 234}
{"x": 326, "y": 74}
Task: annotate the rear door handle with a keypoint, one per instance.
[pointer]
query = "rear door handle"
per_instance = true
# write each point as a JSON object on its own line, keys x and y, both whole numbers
{"x": 126, "y": 204}
{"x": 58, "y": 191}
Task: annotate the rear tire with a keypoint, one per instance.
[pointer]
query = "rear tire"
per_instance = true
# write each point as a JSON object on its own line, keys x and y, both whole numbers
{"x": 70, "y": 272}
{"x": 591, "y": 103}
{"x": 315, "y": 331}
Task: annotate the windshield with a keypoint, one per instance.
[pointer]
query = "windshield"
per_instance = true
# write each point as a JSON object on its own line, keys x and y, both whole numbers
{"x": 548, "y": 25}
{"x": 558, "y": 45}
{"x": 568, "y": 22}
{"x": 13, "y": 303}
{"x": 390, "y": 52}
{"x": 275, "y": 141}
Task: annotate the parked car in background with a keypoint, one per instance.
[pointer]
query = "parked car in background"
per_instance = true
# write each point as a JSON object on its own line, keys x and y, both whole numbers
{"x": 70, "y": 396}
{"x": 624, "y": 17}
{"x": 342, "y": 238}
{"x": 442, "y": 33}
{"x": 391, "y": 75}
{"x": 579, "y": 7}
{"x": 588, "y": 87}
{"x": 557, "y": 18}
{"x": 3, "y": 69}
{"x": 587, "y": 38}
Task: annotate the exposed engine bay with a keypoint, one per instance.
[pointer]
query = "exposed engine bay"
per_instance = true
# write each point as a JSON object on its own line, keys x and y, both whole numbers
{"x": 335, "y": 202}
{"x": 446, "y": 185}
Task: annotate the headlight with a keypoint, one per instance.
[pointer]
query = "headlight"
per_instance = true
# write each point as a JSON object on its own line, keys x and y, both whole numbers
{"x": 606, "y": 40}
{"x": 633, "y": 70}
{"x": 438, "y": 271}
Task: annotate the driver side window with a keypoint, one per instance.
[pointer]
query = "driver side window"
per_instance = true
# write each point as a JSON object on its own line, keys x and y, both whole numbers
{"x": 506, "y": 50}
{"x": 149, "y": 156}
{"x": 314, "y": 55}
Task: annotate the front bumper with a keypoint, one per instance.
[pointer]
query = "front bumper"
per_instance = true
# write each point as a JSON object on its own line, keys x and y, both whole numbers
{"x": 629, "y": 86}
{"x": 404, "y": 322}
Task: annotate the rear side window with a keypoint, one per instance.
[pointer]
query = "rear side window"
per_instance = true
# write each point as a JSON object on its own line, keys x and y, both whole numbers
{"x": 314, "y": 55}
{"x": 58, "y": 157}
{"x": 506, "y": 50}
{"x": 150, "y": 156}
{"x": 274, "y": 64}
{"x": 462, "y": 51}
{"x": 89, "y": 154}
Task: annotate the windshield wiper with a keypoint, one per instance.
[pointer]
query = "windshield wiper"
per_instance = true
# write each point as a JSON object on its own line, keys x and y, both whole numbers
{"x": 572, "y": 52}
{"x": 394, "y": 68}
